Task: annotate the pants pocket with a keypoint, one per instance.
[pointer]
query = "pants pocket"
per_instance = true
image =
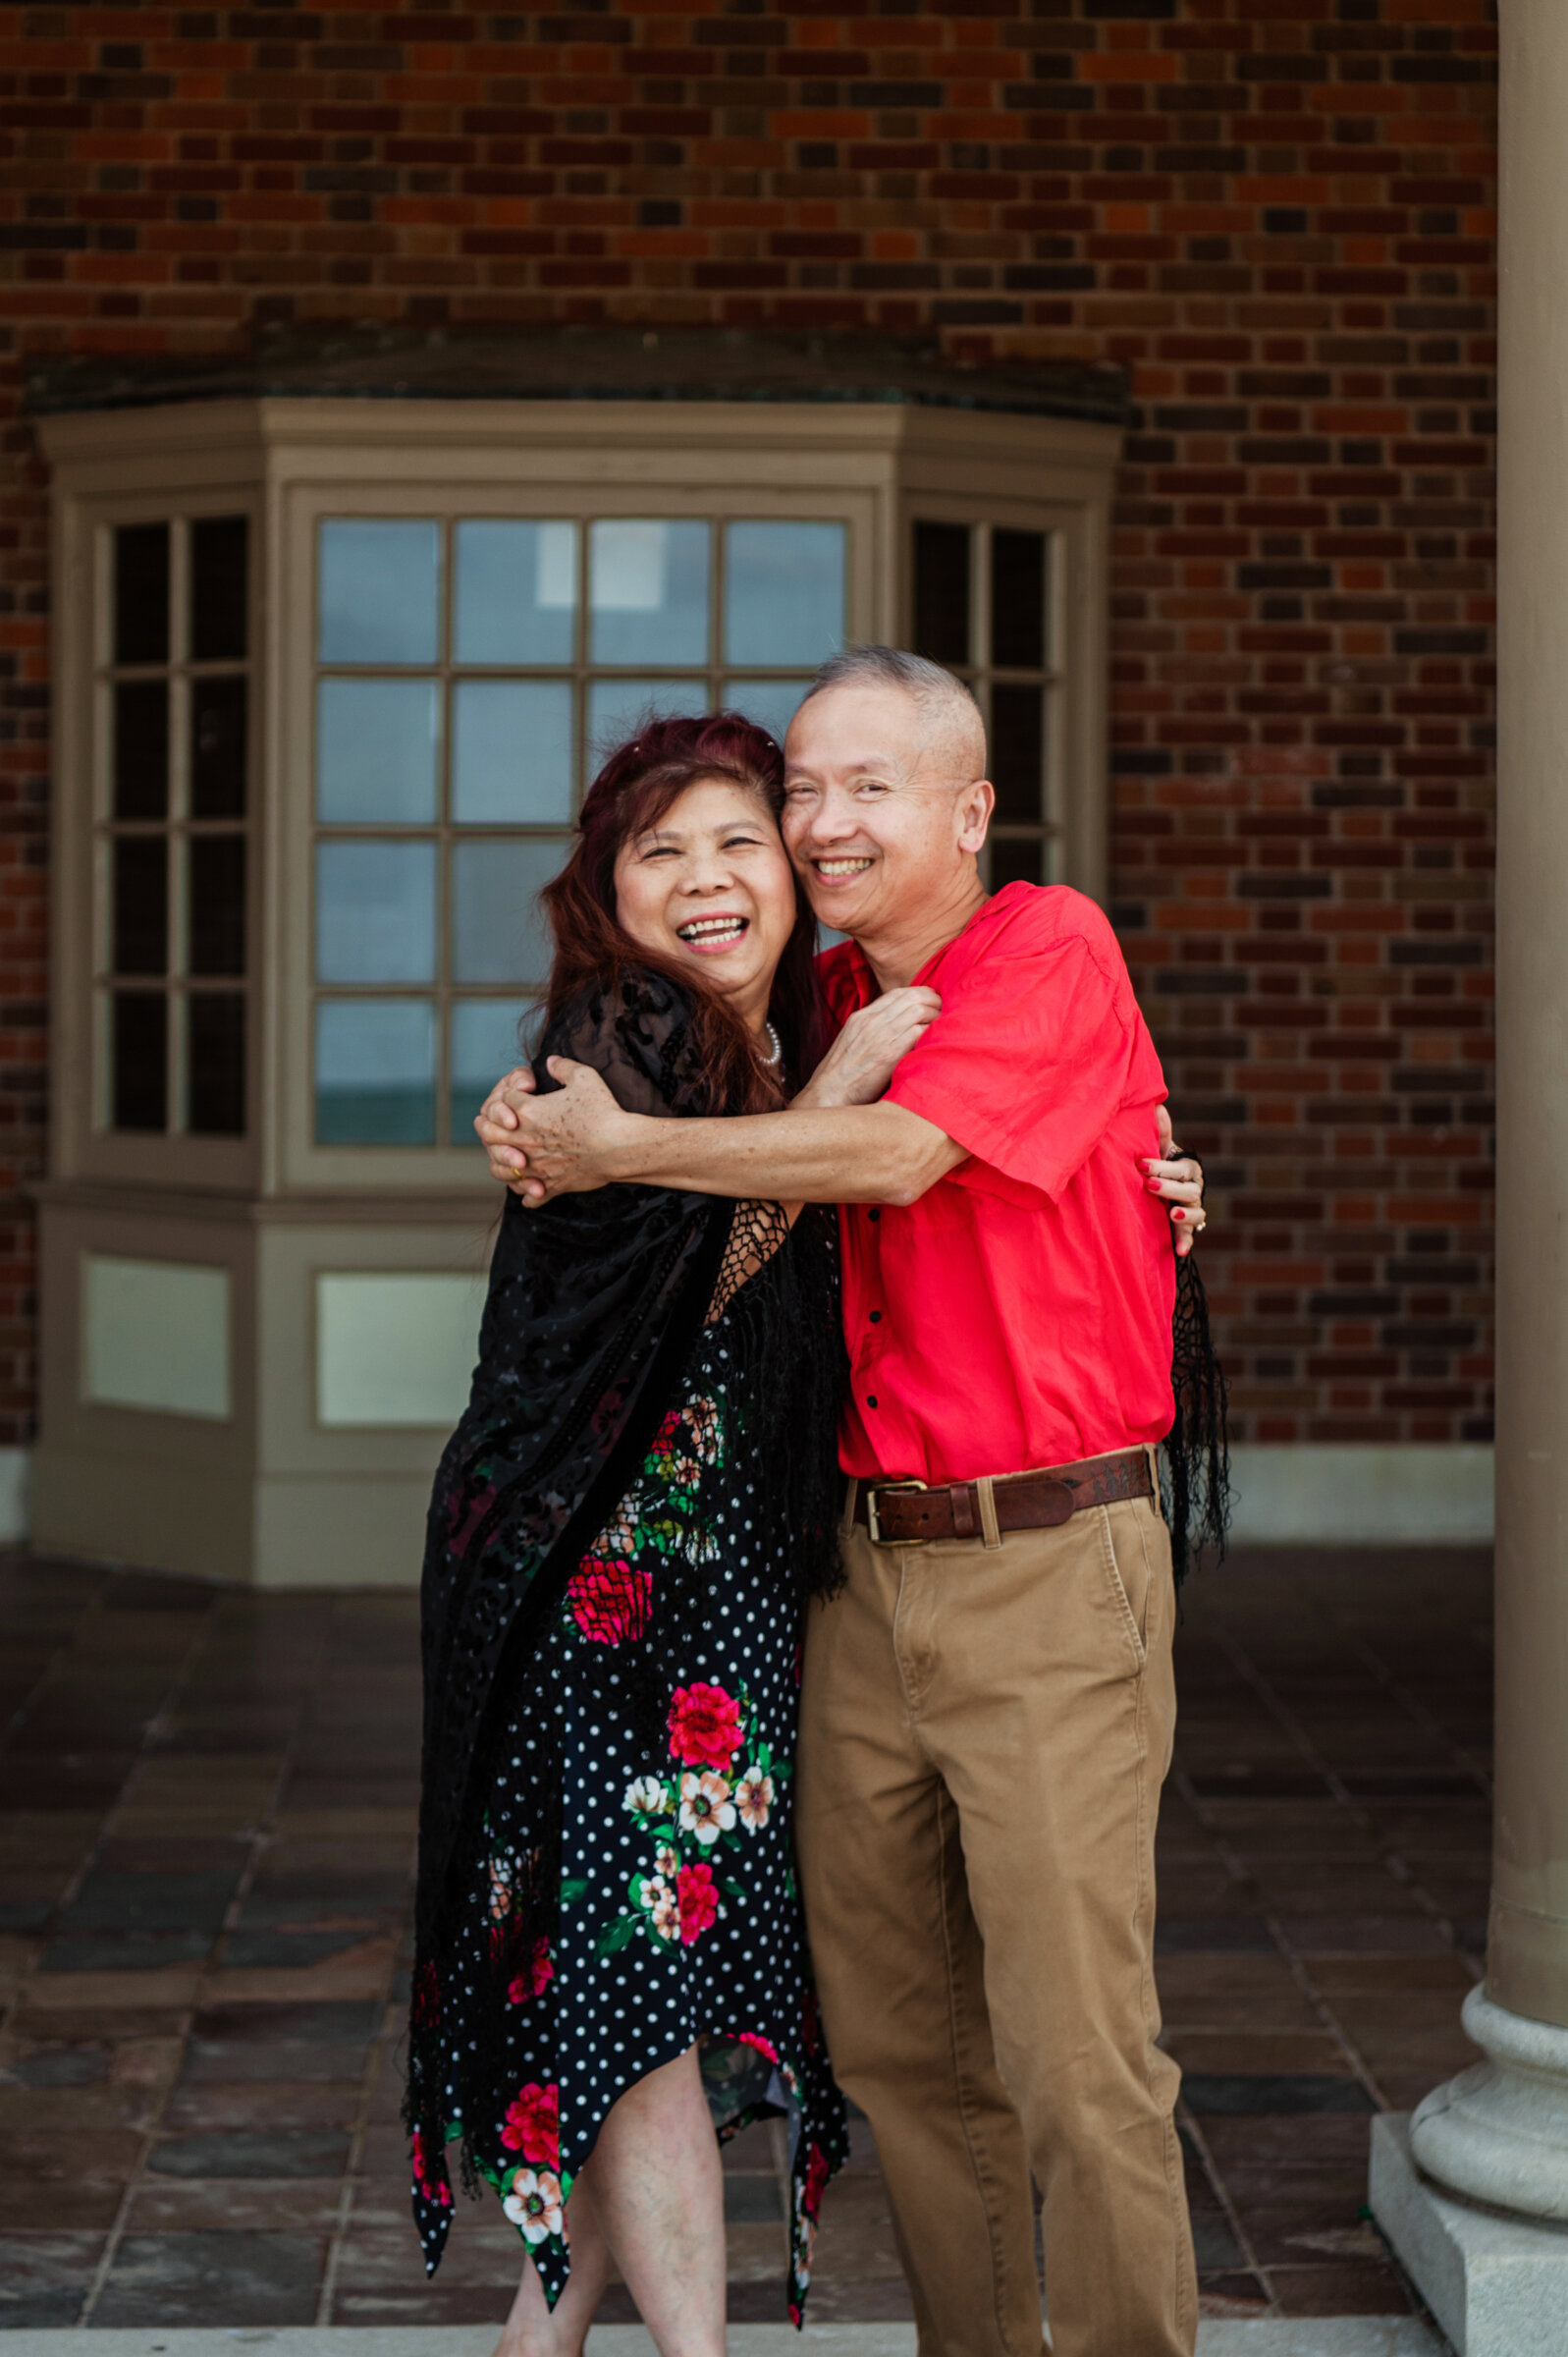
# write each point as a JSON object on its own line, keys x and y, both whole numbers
{"x": 1130, "y": 1581}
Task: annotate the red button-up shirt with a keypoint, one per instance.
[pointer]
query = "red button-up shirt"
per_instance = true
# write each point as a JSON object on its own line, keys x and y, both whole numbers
{"x": 1019, "y": 1313}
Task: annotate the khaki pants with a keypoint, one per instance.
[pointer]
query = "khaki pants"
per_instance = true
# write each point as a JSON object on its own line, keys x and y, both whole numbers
{"x": 984, "y": 1734}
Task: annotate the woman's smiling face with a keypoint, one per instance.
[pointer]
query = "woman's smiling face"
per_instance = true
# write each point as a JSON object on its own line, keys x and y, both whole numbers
{"x": 711, "y": 886}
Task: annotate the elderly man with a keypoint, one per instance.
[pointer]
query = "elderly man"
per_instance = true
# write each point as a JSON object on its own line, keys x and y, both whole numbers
{"x": 988, "y": 1707}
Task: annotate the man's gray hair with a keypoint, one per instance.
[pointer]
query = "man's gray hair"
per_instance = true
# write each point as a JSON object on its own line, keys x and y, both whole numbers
{"x": 942, "y": 698}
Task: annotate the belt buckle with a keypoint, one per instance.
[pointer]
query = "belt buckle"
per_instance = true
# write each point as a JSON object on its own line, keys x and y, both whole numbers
{"x": 873, "y": 1521}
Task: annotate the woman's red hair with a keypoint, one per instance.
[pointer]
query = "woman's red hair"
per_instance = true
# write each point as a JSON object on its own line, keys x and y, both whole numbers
{"x": 631, "y": 793}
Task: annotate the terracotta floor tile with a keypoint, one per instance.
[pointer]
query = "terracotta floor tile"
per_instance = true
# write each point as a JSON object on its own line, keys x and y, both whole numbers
{"x": 190, "y": 2278}
{"x": 258, "y": 2205}
{"x": 1365, "y": 2288}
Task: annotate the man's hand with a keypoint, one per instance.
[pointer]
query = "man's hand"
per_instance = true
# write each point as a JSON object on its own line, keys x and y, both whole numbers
{"x": 859, "y": 1064}
{"x": 563, "y": 1138}
{"x": 1178, "y": 1181}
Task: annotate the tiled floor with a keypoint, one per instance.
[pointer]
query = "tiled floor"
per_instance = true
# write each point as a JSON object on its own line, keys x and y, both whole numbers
{"x": 208, "y": 1808}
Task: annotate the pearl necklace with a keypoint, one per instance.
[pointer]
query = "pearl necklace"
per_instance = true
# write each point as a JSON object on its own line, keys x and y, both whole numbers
{"x": 778, "y": 1048}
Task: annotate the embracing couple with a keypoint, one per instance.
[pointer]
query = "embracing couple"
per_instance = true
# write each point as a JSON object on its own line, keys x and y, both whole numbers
{"x": 673, "y": 1658}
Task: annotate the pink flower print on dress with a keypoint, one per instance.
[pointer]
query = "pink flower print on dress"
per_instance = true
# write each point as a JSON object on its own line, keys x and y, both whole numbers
{"x": 609, "y": 1598}
{"x": 750, "y": 2038}
{"x": 540, "y": 1973}
{"x": 533, "y": 2123}
{"x": 699, "y": 1895}
{"x": 704, "y": 1726}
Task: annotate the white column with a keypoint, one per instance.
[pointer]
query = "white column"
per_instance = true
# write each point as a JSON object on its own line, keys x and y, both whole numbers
{"x": 1499, "y": 2134}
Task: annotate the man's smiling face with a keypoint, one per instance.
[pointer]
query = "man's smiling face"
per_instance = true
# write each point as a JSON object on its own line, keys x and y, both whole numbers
{"x": 883, "y": 814}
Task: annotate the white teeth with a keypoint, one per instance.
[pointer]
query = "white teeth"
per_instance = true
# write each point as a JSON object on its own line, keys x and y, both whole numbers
{"x": 842, "y": 868}
{"x": 711, "y": 928}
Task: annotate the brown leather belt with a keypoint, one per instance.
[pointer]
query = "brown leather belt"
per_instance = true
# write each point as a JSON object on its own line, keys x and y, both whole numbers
{"x": 901, "y": 1513}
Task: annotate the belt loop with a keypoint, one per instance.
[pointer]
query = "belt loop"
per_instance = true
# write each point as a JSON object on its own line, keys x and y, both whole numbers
{"x": 986, "y": 1490}
{"x": 851, "y": 1493}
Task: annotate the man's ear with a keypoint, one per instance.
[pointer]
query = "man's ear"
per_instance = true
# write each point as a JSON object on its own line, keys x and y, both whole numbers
{"x": 976, "y": 803}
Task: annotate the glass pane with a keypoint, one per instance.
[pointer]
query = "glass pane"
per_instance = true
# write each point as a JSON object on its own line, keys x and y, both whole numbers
{"x": 1018, "y": 751}
{"x": 483, "y": 1043}
{"x": 376, "y": 751}
{"x": 497, "y": 934}
{"x": 511, "y": 753}
{"x": 1016, "y": 860}
{"x": 218, "y": 590}
{"x": 142, "y": 593}
{"x": 141, "y": 748}
{"x": 217, "y": 903}
{"x": 783, "y": 592}
{"x": 771, "y": 703}
{"x": 648, "y": 590}
{"x": 216, "y": 1033}
{"x": 140, "y": 898}
{"x": 618, "y": 708}
{"x": 376, "y": 912}
{"x": 1018, "y": 600}
{"x": 516, "y": 593}
{"x": 942, "y": 591}
{"x": 218, "y": 748}
{"x": 375, "y": 1073}
{"x": 137, "y": 1061}
{"x": 378, "y": 594}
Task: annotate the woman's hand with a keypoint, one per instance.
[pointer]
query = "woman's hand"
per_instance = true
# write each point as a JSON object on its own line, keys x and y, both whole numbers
{"x": 496, "y": 1127}
{"x": 1177, "y": 1180}
{"x": 858, "y": 1067}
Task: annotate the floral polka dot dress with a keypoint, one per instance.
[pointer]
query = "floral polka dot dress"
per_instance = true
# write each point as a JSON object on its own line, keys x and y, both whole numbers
{"x": 679, "y": 1921}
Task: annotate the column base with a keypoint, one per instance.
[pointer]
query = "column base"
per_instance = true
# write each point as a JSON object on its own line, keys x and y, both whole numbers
{"x": 1497, "y": 2284}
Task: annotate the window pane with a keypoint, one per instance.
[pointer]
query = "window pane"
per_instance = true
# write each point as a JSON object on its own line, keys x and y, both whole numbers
{"x": 375, "y": 1073}
{"x": 376, "y": 751}
{"x": 138, "y": 1060}
{"x": 942, "y": 591}
{"x": 141, "y": 748}
{"x": 1018, "y": 600}
{"x": 511, "y": 753}
{"x": 483, "y": 1043}
{"x": 216, "y": 1035}
{"x": 218, "y": 748}
{"x": 771, "y": 703}
{"x": 376, "y": 912}
{"x": 783, "y": 592}
{"x": 497, "y": 934}
{"x": 516, "y": 592}
{"x": 379, "y": 591}
{"x": 648, "y": 588}
{"x": 618, "y": 708}
{"x": 142, "y": 593}
{"x": 217, "y": 903}
{"x": 140, "y": 896}
{"x": 218, "y": 590}
{"x": 1015, "y": 860}
{"x": 1018, "y": 751}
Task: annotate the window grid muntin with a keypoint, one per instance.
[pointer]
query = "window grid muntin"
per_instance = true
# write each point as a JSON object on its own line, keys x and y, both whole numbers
{"x": 981, "y": 673}
{"x": 446, "y": 993}
{"x": 176, "y": 985}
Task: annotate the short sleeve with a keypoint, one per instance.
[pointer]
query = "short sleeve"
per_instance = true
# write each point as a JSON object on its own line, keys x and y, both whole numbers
{"x": 1030, "y": 1060}
{"x": 634, "y": 1032}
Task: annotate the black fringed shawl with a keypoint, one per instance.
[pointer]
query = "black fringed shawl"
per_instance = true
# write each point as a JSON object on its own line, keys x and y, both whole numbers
{"x": 595, "y": 1301}
{"x": 1196, "y": 1473}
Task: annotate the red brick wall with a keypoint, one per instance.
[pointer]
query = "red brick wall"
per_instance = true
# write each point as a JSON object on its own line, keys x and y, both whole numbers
{"x": 1273, "y": 212}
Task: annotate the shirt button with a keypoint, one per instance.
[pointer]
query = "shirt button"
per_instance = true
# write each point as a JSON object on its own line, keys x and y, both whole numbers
{"x": 875, "y": 1215}
{"x": 871, "y": 1399}
{"x": 876, "y": 1317}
